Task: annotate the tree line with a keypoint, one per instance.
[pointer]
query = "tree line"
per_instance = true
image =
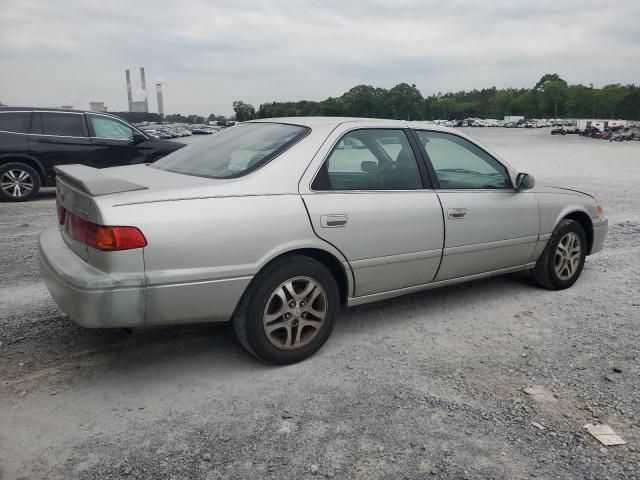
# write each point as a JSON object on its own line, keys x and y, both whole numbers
{"x": 550, "y": 97}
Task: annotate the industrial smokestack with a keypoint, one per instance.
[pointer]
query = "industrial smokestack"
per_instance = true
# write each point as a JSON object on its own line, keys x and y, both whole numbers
{"x": 160, "y": 100}
{"x": 129, "y": 96}
{"x": 143, "y": 82}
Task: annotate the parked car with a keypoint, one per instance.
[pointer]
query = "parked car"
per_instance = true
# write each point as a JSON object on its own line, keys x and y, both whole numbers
{"x": 34, "y": 141}
{"x": 274, "y": 227}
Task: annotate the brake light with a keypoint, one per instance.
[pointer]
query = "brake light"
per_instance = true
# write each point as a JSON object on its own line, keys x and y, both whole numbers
{"x": 105, "y": 238}
{"x": 61, "y": 213}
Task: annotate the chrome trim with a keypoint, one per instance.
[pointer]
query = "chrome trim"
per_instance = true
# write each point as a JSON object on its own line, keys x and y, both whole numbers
{"x": 475, "y": 247}
{"x": 353, "y": 301}
{"x": 49, "y": 135}
{"x": 398, "y": 258}
{"x": 57, "y": 111}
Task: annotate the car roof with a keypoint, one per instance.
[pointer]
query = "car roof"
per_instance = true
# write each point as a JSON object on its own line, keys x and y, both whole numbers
{"x": 335, "y": 121}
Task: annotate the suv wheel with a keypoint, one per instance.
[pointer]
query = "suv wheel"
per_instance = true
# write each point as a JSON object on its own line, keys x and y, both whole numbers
{"x": 289, "y": 311}
{"x": 18, "y": 182}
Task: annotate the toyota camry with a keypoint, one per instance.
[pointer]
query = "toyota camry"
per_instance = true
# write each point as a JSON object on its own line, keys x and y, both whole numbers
{"x": 276, "y": 225}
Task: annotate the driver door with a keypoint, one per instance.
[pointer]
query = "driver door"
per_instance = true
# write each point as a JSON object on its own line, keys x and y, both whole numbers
{"x": 488, "y": 224}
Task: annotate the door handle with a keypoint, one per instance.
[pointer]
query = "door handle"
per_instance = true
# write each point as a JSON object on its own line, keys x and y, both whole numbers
{"x": 454, "y": 213}
{"x": 333, "y": 221}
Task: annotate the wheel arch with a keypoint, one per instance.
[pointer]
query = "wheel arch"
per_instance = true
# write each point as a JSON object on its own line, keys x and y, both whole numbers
{"x": 340, "y": 272}
{"x": 27, "y": 160}
{"x": 583, "y": 218}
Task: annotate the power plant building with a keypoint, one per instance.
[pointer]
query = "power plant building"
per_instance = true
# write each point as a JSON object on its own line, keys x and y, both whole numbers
{"x": 141, "y": 105}
{"x": 97, "y": 107}
{"x": 160, "y": 99}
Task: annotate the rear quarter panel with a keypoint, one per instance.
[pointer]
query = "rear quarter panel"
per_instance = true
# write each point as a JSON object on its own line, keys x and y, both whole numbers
{"x": 202, "y": 253}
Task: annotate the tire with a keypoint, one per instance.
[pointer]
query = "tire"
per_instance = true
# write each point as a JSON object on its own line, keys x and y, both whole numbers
{"x": 262, "y": 308}
{"x": 18, "y": 182}
{"x": 555, "y": 269}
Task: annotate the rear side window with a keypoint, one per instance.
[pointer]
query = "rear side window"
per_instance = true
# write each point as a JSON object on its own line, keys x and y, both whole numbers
{"x": 15, "y": 122}
{"x": 63, "y": 124}
{"x": 234, "y": 151}
{"x": 370, "y": 159}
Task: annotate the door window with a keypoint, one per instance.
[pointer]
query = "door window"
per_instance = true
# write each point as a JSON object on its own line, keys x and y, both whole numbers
{"x": 15, "y": 122}
{"x": 105, "y": 127}
{"x": 62, "y": 124}
{"x": 459, "y": 164}
{"x": 370, "y": 159}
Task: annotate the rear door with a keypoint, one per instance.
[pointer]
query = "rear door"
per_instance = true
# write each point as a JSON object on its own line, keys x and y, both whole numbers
{"x": 488, "y": 224}
{"x": 370, "y": 198}
{"x": 116, "y": 143}
{"x": 59, "y": 138}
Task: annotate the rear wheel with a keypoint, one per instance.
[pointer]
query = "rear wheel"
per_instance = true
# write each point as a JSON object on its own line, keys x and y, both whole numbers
{"x": 289, "y": 311}
{"x": 18, "y": 182}
{"x": 563, "y": 258}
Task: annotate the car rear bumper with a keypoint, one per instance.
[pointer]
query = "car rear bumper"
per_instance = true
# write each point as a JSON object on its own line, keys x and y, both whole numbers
{"x": 600, "y": 229}
{"x": 91, "y": 298}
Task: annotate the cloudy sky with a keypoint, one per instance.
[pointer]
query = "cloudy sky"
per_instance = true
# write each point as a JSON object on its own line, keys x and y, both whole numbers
{"x": 209, "y": 53}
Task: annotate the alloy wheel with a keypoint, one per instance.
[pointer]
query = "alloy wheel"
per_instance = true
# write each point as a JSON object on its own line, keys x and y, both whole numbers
{"x": 295, "y": 313}
{"x": 16, "y": 183}
{"x": 567, "y": 257}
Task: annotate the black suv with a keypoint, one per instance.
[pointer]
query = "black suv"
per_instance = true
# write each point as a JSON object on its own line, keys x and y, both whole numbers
{"x": 34, "y": 140}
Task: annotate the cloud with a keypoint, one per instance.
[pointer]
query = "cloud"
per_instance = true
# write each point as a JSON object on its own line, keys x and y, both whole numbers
{"x": 217, "y": 51}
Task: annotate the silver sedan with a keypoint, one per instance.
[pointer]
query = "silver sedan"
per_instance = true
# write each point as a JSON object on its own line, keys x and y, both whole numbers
{"x": 275, "y": 225}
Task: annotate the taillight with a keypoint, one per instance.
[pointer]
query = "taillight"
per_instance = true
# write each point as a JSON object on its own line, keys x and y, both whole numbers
{"x": 105, "y": 238}
{"x": 61, "y": 213}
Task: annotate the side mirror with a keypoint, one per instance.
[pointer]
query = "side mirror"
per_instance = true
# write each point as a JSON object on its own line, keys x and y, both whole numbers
{"x": 524, "y": 181}
{"x": 138, "y": 137}
{"x": 369, "y": 167}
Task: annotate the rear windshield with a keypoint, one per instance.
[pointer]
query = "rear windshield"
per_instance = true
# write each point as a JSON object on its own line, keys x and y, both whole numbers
{"x": 233, "y": 152}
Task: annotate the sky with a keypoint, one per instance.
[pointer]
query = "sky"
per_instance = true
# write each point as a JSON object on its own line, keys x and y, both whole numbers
{"x": 209, "y": 53}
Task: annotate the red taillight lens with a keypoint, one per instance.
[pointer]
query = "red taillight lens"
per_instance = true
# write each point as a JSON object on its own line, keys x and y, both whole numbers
{"x": 61, "y": 213}
{"x": 105, "y": 238}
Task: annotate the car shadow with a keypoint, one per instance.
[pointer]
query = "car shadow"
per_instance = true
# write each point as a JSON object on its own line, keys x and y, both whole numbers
{"x": 212, "y": 349}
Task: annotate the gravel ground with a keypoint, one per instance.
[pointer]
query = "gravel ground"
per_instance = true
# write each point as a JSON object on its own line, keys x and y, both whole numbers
{"x": 425, "y": 386}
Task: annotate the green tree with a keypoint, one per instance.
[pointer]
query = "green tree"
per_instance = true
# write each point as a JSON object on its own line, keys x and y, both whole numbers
{"x": 611, "y": 97}
{"x": 548, "y": 77}
{"x": 405, "y": 101}
{"x": 360, "y": 101}
{"x": 504, "y": 102}
{"x": 554, "y": 93}
{"x": 244, "y": 111}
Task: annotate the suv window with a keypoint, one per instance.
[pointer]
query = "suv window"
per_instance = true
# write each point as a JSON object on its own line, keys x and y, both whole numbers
{"x": 63, "y": 124}
{"x": 370, "y": 159}
{"x": 105, "y": 127}
{"x": 15, "y": 122}
{"x": 459, "y": 164}
{"x": 233, "y": 152}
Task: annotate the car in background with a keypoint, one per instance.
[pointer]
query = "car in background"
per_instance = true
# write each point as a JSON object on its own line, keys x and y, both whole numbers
{"x": 33, "y": 141}
{"x": 275, "y": 226}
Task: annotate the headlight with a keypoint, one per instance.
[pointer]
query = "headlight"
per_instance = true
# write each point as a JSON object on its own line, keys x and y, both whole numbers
{"x": 600, "y": 209}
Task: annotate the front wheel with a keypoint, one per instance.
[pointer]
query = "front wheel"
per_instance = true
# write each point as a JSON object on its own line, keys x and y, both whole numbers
{"x": 289, "y": 310}
{"x": 562, "y": 260}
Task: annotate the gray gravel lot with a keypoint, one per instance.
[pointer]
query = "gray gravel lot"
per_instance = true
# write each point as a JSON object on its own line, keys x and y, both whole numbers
{"x": 425, "y": 386}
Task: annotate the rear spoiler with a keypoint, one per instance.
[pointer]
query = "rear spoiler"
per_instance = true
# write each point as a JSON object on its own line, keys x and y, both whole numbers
{"x": 93, "y": 181}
